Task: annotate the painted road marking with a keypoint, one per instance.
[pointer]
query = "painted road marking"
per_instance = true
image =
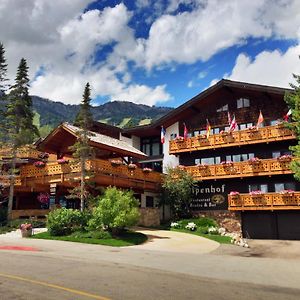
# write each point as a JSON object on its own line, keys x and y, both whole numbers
{"x": 54, "y": 286}
{"x": 20, "y": 248}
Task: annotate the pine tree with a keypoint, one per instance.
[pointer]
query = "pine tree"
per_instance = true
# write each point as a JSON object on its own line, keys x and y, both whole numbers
{"x": 19, "y": 117}
{"x": 3, "y": 70}
{"x": 82, "y": 149}
{"x": 293, "y": 101}
{"x": 3, "y": 86}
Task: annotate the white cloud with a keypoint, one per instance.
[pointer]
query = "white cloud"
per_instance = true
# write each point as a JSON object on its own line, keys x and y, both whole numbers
{"x": 270, "y": 68}
{"x": 215, "y": 25}
{"x": 58, "y": 38}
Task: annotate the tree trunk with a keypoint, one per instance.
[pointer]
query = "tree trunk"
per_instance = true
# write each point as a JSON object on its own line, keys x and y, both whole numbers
{"x": 11, "y": 186}
{"x": 82, "y": 185}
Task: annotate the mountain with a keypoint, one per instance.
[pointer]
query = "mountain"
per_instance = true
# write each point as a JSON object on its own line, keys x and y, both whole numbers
{"x": 118, "y": 113}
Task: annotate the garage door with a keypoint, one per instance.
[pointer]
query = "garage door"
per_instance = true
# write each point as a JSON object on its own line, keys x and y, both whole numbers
{"x": 284, "y": 225}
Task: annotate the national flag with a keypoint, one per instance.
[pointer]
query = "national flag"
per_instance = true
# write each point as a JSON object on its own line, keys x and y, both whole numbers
{"x": 286, "y": 117}
{"x": 185, "y": 132}
{"x": 162, "y": 135}
{"x": 260, "y": 119}
{"x": 233, "y": 124}
{"x": 229, "y": 118}
{"x": 208, "y": 129}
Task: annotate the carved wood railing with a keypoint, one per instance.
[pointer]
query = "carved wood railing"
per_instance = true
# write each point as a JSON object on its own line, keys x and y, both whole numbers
{"x": 267, "y": 201}
{"x": 24, "y": 152}
{"x": 236, "y": 138}
{"x": 241, "y": 169}
{"x": 55, "y": 172}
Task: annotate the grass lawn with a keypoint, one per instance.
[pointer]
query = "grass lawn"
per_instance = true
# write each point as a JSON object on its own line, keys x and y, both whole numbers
{"x": 218, "y": 238}
{"x": 127, "y": 239}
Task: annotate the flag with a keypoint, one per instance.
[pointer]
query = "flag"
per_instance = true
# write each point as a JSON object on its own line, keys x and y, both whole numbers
{"x": 260, "y": 119}
{"x": 185, "y": 132}
{"x": 208, "y": 129}
{"x": 286, "y": 117}
{"x": 233, "y": 124}
{"x": 162, "y": 135}
{"x": 229, "y": 118}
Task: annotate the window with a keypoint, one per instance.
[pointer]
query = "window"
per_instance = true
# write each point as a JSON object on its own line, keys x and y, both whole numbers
{"x": 276, "y": 154}
{"x": 242, "y": 102}
{"x": 139, "y": 198}
{"x": 151, "y": 146}
{"x": 260, "y": 187}
{"x": 208, "y": 160}
{"x": 149, "y": 201}
{"x": 239, "y": 157}
{"x": 275, "y": 122}
{"x": 284, "y": 186}
{"x": 245, "y": 126}
{"x": 223, "y": 108}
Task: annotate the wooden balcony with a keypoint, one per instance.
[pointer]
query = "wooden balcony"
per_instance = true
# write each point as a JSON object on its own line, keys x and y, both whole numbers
{"x": 265, "y": 167}
{"x": 236, "y": 138}
{"x": 24, "y": 152}
{"x": 268, "y": 201}
{"x": 101, "y": 171}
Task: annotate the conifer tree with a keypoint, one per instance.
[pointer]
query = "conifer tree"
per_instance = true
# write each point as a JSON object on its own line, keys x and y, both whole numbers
{"x": 19, "y": 117}
{"x": 3, "y": 86}
{"x": 293, "y": 101}
{"x": 82, "y": 149}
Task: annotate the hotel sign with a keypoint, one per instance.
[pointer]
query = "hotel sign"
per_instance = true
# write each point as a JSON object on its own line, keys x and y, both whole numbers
{"x": 209, "y": 197}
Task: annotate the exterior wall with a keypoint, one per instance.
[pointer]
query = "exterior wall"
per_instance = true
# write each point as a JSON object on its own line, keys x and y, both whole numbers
{"x": 169, "y": 159}
{"x": 149, "y": 217}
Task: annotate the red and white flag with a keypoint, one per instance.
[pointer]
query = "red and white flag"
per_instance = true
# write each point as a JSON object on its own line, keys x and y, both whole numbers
{"x": 260, "y": 119}
{"x": 185, "y": 132}
{"x": 162, "y": 135}
{"x": 286, "y": 117}
{"x": 233, "y": 124}
{"x": 229, "y": 118}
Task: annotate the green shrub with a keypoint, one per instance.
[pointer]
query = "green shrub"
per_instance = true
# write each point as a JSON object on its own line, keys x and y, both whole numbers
{"x": 116, "y": 210}
{"x": 200, "y": 222}
{"x": 203, "y": 230}
{"x": 35, "y": 223}
{"x": 64, "y": 221}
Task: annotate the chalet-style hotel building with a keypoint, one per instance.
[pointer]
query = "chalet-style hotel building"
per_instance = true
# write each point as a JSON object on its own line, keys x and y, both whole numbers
{"x": 242, "y": 174}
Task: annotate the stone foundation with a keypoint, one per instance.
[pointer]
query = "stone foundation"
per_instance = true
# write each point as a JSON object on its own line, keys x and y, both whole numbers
{"x": 150, "y": 217}
{"x": 231, "y": 221}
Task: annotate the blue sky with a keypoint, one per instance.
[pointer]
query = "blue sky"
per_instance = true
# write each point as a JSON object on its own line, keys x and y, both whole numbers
{"x": 159, "y": 52}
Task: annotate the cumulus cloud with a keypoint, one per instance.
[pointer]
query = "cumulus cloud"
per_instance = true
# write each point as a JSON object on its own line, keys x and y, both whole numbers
{"x": 61, "y": 44}
{"x": 268, "y": 67}
{"x": 215, "y": 25}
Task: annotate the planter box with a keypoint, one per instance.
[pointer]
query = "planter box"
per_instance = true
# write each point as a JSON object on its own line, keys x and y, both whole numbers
{"x": 26, "y": 233}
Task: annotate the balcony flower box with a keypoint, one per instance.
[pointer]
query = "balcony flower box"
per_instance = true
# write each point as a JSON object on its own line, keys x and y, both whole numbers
{"x": 116, "y": 163}
{"x": 62, "y": 161}
{"x": 234, "y": 193}
{"x": 132, "y": 166}
{"x": 26, "y": 229}
{"x": 256, "y": 194}
{"x": 254, "y": 161}
{"x": 252, "y": 129}
{"x": 227, "y": 163}
{"x": 147, "y": 170}
{"x": 179, "y": 139}
{"x": 287, "y": 192}
{"x": 284, "y": 158}
{"x": 202, "y": 166}
{"x": 39, "y": 164}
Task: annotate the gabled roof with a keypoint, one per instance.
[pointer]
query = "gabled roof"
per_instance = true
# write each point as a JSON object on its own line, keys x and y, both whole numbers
{"x": 97, "y": 140}
{"x": 176, "y": 114}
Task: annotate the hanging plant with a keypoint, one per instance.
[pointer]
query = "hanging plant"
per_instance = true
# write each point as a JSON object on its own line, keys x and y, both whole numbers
{"x": 147, "y": 170}
{"x": 39, "y": 164}
{"x": 132, "y": 166}
{"x": 116, "y": 162}
{"x": 62, "y": 161}
{"x": 43, "y": 198}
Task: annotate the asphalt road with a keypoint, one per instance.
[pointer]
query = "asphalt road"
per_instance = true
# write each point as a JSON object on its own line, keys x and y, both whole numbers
{"x": 63, "y": 270}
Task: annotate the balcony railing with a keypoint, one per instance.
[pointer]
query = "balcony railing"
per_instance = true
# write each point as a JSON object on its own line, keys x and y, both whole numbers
{"x": 268, "y": 201}
{"x": 241, "y": 169}
{"x": 236, "y": 138}
{"x": 24, "y": 152}
{"x": 100, "y": 171}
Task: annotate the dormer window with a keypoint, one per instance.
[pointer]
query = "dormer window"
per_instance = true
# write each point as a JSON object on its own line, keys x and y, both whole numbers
{"x": 243, "y": 102}
{"x": 223, "y": 108}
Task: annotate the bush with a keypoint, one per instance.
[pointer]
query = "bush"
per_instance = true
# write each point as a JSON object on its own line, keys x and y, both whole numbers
{"x": 200, "y": 222}
{"x": 65, "y": 221}
{"x": 116, "y": 210}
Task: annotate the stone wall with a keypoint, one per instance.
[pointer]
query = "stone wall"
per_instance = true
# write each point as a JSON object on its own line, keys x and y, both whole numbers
{"x": 231, "y": 221}
{"x": 150, "y": 217}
